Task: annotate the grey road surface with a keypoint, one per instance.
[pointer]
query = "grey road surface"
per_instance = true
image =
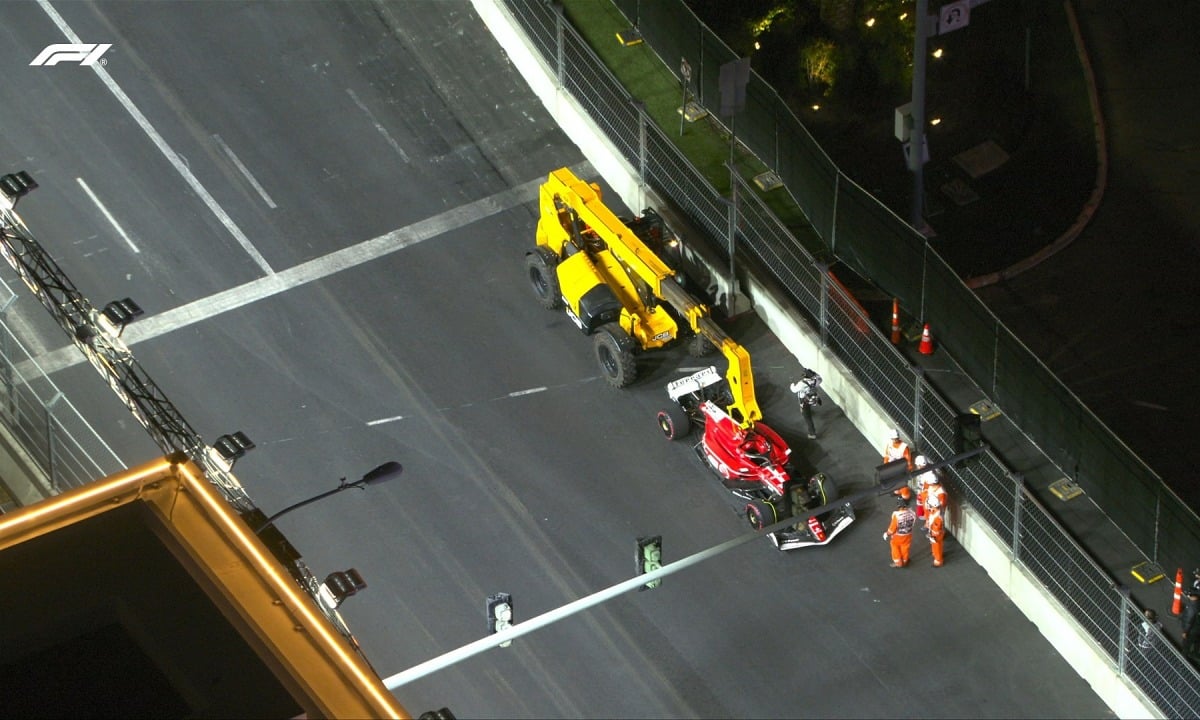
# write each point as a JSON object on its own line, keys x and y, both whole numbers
{"x": 323, "y": 208}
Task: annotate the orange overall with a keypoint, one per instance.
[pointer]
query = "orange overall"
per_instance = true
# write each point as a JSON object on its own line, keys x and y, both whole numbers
{"x": 935, "y": 530}
{"x": 931, "y": 495}
{"x": 899, "y": 533}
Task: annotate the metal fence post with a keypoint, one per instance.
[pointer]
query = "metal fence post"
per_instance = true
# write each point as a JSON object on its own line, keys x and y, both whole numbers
{"x": 1018, "y": 500}
{"x": 918, "y": 386}
{"x": 837, "y": 186}
{"x": 1123, "y": 634}
{"x": 823, "y": 313}
{"x": 51, "y": 470}
{"x": 559, "y": 35}
{"x": 641, "y": 111}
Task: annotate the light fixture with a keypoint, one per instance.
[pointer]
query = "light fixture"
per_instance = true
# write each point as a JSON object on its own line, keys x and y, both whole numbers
{"x": 341, "y": 585}
{"x": 384, "y": 472}
{"x": 120, "y": 313}
{"x": 499, "y": 614}
{"x": 232, "y": 447}
{"x": 15, "y": 186}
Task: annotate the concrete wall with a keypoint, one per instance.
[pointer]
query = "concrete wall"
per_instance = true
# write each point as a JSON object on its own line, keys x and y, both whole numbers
{"x": 802, "y": 341}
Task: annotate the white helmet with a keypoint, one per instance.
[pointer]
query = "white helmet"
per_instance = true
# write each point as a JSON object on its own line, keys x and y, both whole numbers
{"x": 920, "y": 461}
{"x": 895, "y": 434}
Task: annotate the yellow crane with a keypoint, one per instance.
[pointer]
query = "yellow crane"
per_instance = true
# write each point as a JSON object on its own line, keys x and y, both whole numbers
{"x": 607, "y": 274}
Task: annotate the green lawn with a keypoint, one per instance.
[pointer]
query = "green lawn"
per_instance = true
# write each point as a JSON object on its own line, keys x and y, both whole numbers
{"x": 704, "y": 142}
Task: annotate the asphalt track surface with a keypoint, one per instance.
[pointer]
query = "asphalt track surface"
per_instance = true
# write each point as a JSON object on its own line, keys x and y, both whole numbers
{"x": 323, "y": 209}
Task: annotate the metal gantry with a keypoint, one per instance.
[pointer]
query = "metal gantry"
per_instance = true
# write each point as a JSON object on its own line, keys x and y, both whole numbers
{"x": 103, "y": 347}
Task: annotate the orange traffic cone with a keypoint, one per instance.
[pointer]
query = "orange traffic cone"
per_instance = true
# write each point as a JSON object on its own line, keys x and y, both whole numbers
{"x": 926, "y": 346}
{"x": 895, "y": 321}
{"x": 1177, "y": 603}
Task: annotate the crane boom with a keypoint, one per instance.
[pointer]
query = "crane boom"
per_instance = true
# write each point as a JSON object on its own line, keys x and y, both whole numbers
{"x": 590, "y": 246}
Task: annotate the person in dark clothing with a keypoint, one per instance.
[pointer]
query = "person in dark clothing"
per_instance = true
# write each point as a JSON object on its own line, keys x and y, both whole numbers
{"x": 1191, "y": 603}
{"x": 1191, "y": 638}
{"x": 806, "y": 394}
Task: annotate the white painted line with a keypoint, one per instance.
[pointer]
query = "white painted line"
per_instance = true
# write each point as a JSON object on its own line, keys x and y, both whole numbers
{"x": 382, "y": 130}
{"x": 173, "y": 157}
{"x": 530, "y": 391}
{"x": 385, "y": 420}
{"x": 112, "y": 220}
{"x": 147, "y": 328}
{"x": 245, "y": 173}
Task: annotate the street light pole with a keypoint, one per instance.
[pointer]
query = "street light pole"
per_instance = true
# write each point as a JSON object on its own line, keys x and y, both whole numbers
{"x": 383, "y": 473}
{"x": 916, "y": 146}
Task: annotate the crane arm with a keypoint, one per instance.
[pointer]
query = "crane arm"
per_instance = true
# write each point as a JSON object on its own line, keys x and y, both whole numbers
{"x": 578, "y": 205}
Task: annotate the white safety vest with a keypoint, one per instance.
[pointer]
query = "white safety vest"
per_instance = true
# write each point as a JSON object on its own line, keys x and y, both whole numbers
{"x": 896, "y": 453}
{"x": 934, "y": 495}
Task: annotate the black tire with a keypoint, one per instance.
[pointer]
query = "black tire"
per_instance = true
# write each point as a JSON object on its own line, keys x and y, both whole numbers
{"x": 674, "y": 422}
{"x": 760, "y": 513}
{"x": 822, "y": 489}
{"x": 541, "y": 265}
{"x": 614, "y": 354}
{"x": 699, "y": 346}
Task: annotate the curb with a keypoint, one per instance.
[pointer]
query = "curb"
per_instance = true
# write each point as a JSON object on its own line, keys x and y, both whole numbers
{"x": 1097, "y": 195}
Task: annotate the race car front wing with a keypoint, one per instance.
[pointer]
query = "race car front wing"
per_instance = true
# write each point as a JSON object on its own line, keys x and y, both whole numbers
{"x": 838, "y": 520}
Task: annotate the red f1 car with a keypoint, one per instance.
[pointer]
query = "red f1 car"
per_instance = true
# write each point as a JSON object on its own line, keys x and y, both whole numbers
{"x": 753, "y": 463}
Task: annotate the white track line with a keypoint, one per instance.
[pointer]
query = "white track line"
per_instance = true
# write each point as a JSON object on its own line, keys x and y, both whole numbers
{"x": 173, "y": 157}
{"x": 147, "y": 328}
{"x": 245, "y": 173}
{"x": 109, "y": 216}
{"x": 381, "y": 421}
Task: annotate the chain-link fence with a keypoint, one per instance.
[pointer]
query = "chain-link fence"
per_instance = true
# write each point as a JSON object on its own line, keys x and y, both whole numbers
{"x": 861, "y": 232}
{"x": 866, "y": 236}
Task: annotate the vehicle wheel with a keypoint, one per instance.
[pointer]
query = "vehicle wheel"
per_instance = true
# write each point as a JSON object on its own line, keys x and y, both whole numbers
{"x": 699, "y": 346}
{"x": 541, "y": 264}
{"x": 760, "y": 513}
{"x": 674, "y": 422}
{"x": 822, "y": 489}
{"x": 614, "y": 353}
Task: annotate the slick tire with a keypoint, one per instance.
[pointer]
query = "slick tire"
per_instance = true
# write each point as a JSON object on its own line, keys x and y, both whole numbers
{"x": 822, "y": 489}
{"x": 760, "y": 514}
{"x": 674, "y": 422}
{"x": 614, "y": 355}
{"x": 542, "y": 265}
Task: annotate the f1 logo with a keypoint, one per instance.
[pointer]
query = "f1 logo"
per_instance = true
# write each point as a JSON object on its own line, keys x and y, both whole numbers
{"x": 82, "y": 53}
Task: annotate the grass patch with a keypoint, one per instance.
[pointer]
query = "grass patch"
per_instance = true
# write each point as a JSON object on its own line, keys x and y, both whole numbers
{"x": 704, "y": 142}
